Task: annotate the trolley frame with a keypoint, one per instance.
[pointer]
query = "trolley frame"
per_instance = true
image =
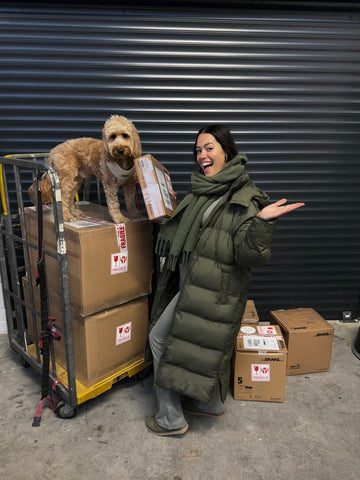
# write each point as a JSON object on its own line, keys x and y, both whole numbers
{"x": 69, "y": 389}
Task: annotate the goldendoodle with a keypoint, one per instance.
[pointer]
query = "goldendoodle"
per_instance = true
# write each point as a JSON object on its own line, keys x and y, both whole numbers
{"x": 111, "y": 160}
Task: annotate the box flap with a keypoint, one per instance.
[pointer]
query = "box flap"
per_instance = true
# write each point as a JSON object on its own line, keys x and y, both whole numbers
{"x": 305, "y": 319}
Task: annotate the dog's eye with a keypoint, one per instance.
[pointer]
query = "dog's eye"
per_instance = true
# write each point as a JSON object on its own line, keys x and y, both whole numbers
{"x": 126, "y": 136}
{"x": 112, "y": 137}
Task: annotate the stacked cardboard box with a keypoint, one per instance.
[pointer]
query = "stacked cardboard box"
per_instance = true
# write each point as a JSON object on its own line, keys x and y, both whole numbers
{"x": 109, "y": 275}
{"x": 259, "y": 364}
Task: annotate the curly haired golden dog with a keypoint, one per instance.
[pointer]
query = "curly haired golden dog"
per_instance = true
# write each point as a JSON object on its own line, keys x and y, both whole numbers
{"x": 111, "y": 160}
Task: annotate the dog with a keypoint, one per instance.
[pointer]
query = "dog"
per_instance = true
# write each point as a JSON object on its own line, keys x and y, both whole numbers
{"x": 111, "y": 160}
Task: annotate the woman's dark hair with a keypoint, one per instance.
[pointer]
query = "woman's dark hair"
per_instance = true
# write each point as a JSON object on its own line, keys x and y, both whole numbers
{"x": 223, "y": 136}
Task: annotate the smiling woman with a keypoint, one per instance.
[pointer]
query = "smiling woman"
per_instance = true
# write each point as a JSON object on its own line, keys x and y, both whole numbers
{"x": 220, "y": 230}
{"x": 209, "y": 154}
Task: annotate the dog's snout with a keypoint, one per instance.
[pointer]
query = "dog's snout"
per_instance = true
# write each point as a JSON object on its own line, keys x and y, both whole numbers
{"x": 120, "y": 151}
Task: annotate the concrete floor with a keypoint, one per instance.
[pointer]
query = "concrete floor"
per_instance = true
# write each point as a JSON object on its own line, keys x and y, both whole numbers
{"x": 313, "y": 435}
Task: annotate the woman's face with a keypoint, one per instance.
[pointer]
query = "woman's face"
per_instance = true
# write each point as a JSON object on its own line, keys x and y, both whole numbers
{"x": 209, "y": 154}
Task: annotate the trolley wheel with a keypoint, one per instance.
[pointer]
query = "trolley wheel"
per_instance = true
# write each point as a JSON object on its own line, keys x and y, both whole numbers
{"x": 143, "y": 373}
{"x": 63, "y": 410}
{"x": 24, "y": 362}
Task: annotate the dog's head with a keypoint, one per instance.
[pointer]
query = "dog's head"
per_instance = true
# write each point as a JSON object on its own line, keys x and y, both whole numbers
{"x": 121, "y": 140}
{"x": 45, "y": 187}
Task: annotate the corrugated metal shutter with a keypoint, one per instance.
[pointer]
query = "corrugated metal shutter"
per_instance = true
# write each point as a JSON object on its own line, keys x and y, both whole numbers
{"x": 287, "y": 85}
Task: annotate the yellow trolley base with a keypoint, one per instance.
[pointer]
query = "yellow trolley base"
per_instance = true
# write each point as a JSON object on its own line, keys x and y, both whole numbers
{"x": 83, "y": 392}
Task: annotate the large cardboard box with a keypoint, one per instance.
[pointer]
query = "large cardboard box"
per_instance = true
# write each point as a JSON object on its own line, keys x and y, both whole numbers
{"x": 108, "y": 264}
{"x": 156, "y": 188}
{"x": 250, "y": 314}
{"x": 308, "y": 338}
{"x": 102, "y": 342}
{"x": 259, "y": 364}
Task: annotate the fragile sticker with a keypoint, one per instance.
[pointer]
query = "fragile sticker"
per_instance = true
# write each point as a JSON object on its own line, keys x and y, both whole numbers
{"x": 267, "y": 330}
{"x": 260, "y": 372}
{"x": 169, "y": 184}
{"x": 119, "y": 263}
{"x": 123, "y": 333}
{"x": 121, "y": 236}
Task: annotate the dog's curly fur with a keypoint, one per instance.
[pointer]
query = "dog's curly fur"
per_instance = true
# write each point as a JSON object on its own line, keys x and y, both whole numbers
{"x": 111, "y": 160}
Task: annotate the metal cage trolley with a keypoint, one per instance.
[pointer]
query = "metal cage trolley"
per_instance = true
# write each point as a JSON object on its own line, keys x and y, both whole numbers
{"x": 60, "y": 387}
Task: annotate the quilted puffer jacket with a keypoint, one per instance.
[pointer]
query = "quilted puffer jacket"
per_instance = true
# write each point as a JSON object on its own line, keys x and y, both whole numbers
{"x": 213, "y": 296}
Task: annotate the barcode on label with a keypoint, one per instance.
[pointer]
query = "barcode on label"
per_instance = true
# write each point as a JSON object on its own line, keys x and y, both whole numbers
{"x": 253, "y": 342}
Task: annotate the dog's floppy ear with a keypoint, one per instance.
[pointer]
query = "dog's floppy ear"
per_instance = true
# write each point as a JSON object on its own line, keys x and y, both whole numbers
{"x": 137, "y": 150}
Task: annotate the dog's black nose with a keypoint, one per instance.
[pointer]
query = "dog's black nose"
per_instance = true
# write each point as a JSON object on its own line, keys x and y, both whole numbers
{"x": 120, "y": 151}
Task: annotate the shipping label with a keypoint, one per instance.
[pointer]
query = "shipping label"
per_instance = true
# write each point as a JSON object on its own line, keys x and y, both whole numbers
{"x": 148, "y": 171}
{"x": 260, "y": 372}
{"x": 163, "y": 188}
{"x": 123, "y": 333}
{"x": 152, "y": 199}
{"x": 256, "y": 342}
{"x": 85, "y": 221}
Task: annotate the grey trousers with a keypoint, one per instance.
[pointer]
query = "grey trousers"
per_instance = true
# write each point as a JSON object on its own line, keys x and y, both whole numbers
{"x": 170, "y": 414}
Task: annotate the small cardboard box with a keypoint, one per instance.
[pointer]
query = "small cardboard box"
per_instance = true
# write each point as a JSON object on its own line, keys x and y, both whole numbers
{"x": 259, "y": 364}
{"x": 156, "y": 188}
{"x": 308, "y": 338}
{"x": 108, "y": 264}
{"x": 102, "y": 342}
{"x": 250, "y": 314}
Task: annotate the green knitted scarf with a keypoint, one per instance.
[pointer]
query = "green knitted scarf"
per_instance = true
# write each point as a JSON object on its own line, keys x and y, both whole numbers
{"x": 178, "y": 236}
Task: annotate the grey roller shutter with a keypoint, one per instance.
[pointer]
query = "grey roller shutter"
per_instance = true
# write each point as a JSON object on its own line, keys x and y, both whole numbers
{"x": 286, "y": 83}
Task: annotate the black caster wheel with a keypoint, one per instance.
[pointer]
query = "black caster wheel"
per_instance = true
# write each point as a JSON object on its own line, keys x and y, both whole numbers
{"x": 25, "y": 363}
{"x": 63, "y": 410}
{"x": 144, "y": 373}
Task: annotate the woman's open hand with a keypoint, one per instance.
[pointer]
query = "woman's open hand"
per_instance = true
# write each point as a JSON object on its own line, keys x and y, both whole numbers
{"x": 275, "y": 210}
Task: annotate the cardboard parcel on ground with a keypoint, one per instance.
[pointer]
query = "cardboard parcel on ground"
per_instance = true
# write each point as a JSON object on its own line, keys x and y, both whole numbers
{"x": 259, "y": 364}
{"x": 308, "y": 338}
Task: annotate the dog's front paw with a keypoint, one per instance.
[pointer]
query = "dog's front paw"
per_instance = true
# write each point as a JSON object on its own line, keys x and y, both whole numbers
{"x": 70, "y": 218}
{"x": 119, "y": 218}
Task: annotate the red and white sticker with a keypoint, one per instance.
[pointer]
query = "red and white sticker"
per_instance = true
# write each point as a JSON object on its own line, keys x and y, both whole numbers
{"x": 121, "y": 236}
{"x": 260, "y": 372}
{"x": 123, "y": 333}
{"x": 119, "y": 263}
{"x": 267, "y": 330}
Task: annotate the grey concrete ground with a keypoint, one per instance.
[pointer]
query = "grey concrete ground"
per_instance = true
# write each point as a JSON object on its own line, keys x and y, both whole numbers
{"x": 313, "y": 435}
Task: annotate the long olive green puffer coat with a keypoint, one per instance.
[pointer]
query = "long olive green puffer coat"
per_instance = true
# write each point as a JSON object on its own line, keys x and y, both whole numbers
{"x": 213, "y": 296}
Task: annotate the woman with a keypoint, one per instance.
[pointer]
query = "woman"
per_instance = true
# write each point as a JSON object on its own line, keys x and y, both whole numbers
{"x": 221, "y": 229}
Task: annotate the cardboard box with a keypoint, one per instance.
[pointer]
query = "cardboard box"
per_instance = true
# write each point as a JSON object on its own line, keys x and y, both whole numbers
{"x": 250, "y": 314}
{"x": 308, "y": 338}
{"x": 102, "y": 342}
{"x": 156, "y": 188}
{"x": 259, "y": 364}
{"x": 108, "y": 264}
